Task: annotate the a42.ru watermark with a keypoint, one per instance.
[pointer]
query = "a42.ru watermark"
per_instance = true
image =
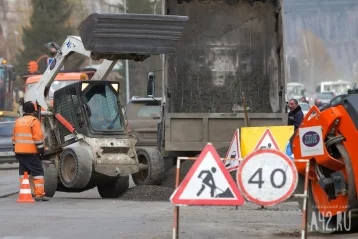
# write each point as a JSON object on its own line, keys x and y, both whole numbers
{"x": 338, "y": 222}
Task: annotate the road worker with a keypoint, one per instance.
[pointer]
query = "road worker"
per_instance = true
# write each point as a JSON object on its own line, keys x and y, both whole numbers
{"x": 295, "y": 116}
{"x": 28, "y": 142}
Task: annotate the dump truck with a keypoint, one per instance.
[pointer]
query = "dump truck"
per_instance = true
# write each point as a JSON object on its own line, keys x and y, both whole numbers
{"x": 229, "y": 51}
{"x": 87, "y": 144}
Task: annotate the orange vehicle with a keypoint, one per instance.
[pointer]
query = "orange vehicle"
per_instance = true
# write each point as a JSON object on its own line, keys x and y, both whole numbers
{"x": 61, "y": 80}
{"x": 333, "y": 174}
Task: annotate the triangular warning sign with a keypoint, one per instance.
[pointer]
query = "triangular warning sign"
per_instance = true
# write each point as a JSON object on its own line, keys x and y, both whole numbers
{"x": 234, "y": 152}
{"x": 207, "y": 183}
{"x": 267, "y": 141}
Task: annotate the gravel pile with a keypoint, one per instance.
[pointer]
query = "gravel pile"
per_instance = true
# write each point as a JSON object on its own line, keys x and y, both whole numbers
{"x": 163, "y": 192}
{"x": 157, "y": 193}
{"x": 149, "y": 193}
{"x": 169, "y": 180}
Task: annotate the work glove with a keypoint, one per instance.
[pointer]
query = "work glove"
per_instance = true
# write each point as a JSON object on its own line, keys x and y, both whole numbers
{"x": 41, "y": 153}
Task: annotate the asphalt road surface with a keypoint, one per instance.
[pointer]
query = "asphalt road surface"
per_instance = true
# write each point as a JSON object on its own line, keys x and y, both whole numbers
{"x": 86, "y": 215}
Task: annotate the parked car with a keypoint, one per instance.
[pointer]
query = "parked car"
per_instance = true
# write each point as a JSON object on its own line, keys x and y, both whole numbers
{"x": 305, "y": 107}
{"x": 6, "y": 149}
{"x": 333, "y": 101}
{"x": 324, "y": 98}
{"x": 337, "y": 99}
{"x": 8, "y": 116}
{"x": 143, "y": 115}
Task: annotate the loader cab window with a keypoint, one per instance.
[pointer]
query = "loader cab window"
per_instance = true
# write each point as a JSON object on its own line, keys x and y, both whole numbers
{"x": 105, "y": 113}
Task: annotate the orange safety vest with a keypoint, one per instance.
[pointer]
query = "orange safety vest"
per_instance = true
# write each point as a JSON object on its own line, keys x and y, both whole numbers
{"x": 27, "y": 136}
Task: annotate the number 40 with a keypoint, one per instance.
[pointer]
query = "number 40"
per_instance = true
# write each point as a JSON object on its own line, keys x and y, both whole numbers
{"x": 272, "y": 178}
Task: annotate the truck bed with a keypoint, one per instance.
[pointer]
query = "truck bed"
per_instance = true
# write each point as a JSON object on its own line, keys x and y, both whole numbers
{"x": 227, "y": 49}
{"x": 191, "y": 132}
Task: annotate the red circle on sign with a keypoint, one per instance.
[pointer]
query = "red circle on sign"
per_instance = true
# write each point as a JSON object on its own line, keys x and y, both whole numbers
{"x": 283, "y": 157}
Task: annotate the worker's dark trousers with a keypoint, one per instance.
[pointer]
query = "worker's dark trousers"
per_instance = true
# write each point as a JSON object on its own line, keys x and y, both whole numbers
{"x": 32, "y": 165}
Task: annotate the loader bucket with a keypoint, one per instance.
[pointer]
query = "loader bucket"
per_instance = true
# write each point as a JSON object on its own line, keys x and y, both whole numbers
{"x": 130, "y": 36}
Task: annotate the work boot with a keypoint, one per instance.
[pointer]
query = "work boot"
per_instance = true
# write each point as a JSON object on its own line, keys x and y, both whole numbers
{"x": 43, "y": 198}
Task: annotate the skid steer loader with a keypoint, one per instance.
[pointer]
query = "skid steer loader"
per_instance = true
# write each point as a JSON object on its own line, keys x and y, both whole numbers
{"x": 86, "y": 141}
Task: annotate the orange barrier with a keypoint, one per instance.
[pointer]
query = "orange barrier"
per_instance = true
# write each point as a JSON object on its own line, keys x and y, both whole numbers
{"x": 25, "y": 195}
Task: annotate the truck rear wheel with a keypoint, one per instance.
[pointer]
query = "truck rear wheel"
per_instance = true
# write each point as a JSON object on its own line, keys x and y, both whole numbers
{"x": 51, "y": 178}
{"x": 113, "y": 189}
{"x": 75, "y": 167}
{"x": 154, "y": 163}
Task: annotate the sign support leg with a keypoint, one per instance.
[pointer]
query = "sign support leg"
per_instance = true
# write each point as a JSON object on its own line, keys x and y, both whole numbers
{"x": 176, "y": 208}
{"x": 305, "y": 203}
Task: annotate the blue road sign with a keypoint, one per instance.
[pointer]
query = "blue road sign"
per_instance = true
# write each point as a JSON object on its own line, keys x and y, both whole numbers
{"x": 49, "y": 60}
{"x": 288, "y": 150}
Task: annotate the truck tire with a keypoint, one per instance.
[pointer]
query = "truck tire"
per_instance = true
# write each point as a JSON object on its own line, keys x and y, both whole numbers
{"x": 113, "y": 189}
{"x": 154, "y": 175}
{"x": 51, "y": 178}
{"x": 75, "y": 167}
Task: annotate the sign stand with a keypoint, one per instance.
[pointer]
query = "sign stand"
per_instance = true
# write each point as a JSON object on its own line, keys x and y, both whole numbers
{"x": 177, "y": 183}
{"x": 305, "y": 196}
{"x": 266, "y": 163}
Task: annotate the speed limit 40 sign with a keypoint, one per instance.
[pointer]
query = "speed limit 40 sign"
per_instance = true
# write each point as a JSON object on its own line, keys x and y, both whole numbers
{"x": 267, "y": 177}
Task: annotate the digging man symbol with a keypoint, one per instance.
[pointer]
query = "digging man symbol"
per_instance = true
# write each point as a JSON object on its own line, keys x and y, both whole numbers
{"x": 208, "y": 181}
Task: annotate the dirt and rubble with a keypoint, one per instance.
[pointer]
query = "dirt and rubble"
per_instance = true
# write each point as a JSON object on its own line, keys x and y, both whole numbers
{"x": 158, "y": 193}
{"x": 241, "y": 51}
{"x": 165, "y": 190}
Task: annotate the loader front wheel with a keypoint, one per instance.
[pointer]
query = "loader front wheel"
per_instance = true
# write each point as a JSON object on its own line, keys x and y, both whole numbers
{"x": 153, "y": 173}
{"x": 51, "y": 178}
{"x": 113, "y": 189}
{"x": 75, "y": 167}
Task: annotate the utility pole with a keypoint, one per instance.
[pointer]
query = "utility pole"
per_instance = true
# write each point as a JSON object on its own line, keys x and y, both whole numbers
{"x": 126, "y": 62}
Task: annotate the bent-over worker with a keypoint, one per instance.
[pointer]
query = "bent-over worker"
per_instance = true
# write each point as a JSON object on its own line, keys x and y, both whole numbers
{"x": 28, "y": 142}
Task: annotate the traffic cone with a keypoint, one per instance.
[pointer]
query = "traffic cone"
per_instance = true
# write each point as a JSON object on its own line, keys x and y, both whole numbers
{"x": 25, "y": 191}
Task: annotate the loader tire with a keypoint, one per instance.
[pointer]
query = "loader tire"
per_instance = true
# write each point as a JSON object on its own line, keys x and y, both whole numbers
{"x": 51, "y": 178}
{"x": 75, "y": 167}
{"x": 154, "y": 175}
{"x": 113, "y": 189}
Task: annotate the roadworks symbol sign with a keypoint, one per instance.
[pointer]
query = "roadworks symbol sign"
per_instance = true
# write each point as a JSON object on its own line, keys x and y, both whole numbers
{"x": 208, "y": 183}
{"x": 267, "y": 141}
{"x": 234, "y": 152}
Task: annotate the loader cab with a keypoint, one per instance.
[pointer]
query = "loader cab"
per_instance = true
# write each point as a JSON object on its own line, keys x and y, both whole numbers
{"x": 92, "y": 107}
